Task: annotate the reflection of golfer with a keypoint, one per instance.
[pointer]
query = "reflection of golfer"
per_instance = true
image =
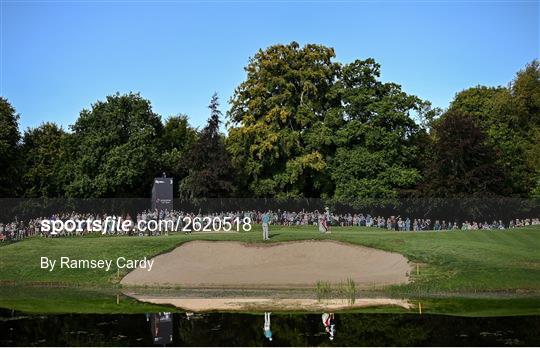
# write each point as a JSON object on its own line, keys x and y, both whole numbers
{"x": 329, "y": 324}
{"x": 265, "y": 222}
{"x": 267, "y": 331}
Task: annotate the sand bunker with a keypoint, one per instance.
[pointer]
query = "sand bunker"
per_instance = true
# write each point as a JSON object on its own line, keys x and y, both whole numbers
{"x": 294, "y": 264}
{"x": 234, "y": 304}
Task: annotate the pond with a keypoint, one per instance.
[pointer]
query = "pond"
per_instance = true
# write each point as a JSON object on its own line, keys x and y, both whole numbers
{"x": 233, "y": 329}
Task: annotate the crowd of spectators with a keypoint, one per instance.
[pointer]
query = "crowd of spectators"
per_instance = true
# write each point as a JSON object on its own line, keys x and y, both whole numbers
{"x": 18, "y": 230}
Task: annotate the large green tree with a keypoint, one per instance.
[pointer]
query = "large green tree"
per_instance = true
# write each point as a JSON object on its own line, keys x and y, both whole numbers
{"x": 210, "y": 173}
{"x": 280, "y": 131}
{"x": 178, "y": 138}
{"x": 510, "y": 116}
{"x": 376, "y": 141}
{"x": 178, "y": 134}
{"x": 117, "y": 148}
{"x": 463, "y": 162}
{"x": 9, "y": 140}
{"x": 304, "y": 125}
{"x": 479, "y": 101}
{"x": 45, "y": 152}
{"x": 525, "y": 90}
{"x": 533, "y": 158}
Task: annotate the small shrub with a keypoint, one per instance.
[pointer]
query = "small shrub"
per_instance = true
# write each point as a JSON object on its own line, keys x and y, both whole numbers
{"x": 323, "y": 290}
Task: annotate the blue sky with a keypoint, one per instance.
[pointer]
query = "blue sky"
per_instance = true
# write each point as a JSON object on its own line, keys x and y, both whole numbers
{"x": 59, "y": 57}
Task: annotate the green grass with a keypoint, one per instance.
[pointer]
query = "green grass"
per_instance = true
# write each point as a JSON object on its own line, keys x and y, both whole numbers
{"x": 451, "y": 262}
{"x": 323, "y": 290}
{"x": 480, "y": 307}
{"x": 494, "y": 264}
{"x": 51, "y": 300}
{"x": 343, "y": 290}
{"x": 31, "y": 299}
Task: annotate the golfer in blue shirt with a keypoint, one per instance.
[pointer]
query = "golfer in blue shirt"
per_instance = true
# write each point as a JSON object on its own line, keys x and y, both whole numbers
{"x": 265, "y": 222}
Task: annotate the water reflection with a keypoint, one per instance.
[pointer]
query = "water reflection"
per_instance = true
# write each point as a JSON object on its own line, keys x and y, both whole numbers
{"x": 161, "y": 325}
{"x": 228, "y": 329}
{"x": 329, "y": 323}
{"x": 266, "y": 328}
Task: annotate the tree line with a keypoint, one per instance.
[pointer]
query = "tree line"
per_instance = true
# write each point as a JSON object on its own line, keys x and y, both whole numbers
{"x": 300, "y": 125}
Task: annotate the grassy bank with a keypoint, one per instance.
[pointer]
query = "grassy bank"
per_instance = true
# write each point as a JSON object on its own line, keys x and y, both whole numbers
{"x": 47, "y": 300}
{"x": 31, "y": 299}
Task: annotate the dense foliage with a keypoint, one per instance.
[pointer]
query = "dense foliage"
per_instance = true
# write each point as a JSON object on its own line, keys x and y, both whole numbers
{"x": 463, "y": 162}
{"x": 9, "y": 139}
{"x": 44, "y": 156}
{"x": 299, "y": 125}
{"x": 376, "y": 138}
{"x": 210, "y": 173}
{"x": 281, "y": 121}
{"x": 116, "y": 148}
{"x": 510, "y": 117}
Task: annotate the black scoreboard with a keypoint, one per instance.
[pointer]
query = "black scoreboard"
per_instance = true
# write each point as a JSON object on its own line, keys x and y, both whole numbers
{"x": 162, "y": 194}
